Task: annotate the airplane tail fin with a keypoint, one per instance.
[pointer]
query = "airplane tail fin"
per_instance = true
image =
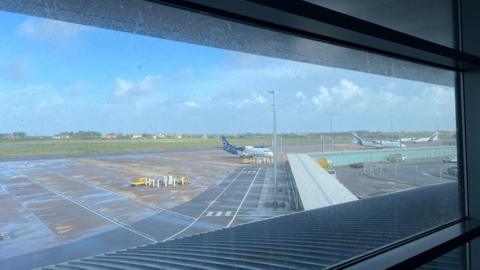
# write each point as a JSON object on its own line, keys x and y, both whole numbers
{"x": 357, "y": 139}
{"x": 434, "y": 137}
{"x": 228, "y": 147}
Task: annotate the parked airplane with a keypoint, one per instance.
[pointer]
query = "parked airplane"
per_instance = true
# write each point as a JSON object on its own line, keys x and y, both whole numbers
{"x": 432, "y": 138}
{"x": 246, "y": 151}
{"x": 377, "y": 144}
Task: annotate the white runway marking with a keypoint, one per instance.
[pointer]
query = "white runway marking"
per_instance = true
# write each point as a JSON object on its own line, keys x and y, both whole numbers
{"x": 243, "y": 200}
{"x": 206, "y": 209}
{"x": 160, "y": 209}
{"x": 98, "y": 213}
{"x": 219, "y": 214}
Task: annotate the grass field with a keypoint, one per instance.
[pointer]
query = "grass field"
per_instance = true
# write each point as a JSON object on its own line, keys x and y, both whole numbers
{"x": 46, "y": 147}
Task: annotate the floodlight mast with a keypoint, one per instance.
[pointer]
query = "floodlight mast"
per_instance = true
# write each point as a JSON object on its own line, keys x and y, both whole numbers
{"x": 274, "y": 141}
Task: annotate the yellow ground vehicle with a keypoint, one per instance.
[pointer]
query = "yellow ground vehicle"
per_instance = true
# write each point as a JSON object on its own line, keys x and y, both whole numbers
{"x": 246, "y": 161}
{"x": 162, "y": 181}
{"x": 182, "y": 180}
{"x": 138, "y": 182}
{"x": 324, "y": 163}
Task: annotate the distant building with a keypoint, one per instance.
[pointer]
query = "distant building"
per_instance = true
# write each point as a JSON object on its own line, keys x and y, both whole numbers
{"x": 60, "y": 137}
{"x": 110, "y": 136}
{"x": 137, "y": 136}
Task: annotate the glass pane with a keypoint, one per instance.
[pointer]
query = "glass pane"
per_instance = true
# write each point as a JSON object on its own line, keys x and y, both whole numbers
{"x": 433, "y": 20}
{"x": 165, "y": 141}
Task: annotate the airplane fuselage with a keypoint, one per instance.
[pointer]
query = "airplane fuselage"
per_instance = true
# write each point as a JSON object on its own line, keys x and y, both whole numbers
{"x": 246, "y": 151}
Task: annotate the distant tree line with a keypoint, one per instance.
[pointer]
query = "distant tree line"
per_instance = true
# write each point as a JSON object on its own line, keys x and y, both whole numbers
{"x": 79, "y": 135}
{"x": 13, "y": 136}
{"x": 305, "y": 135}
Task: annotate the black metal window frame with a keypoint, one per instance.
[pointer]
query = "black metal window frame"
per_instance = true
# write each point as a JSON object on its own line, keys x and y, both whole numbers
{"x": 303, "y": 19}
{"x": 306, "y": 20}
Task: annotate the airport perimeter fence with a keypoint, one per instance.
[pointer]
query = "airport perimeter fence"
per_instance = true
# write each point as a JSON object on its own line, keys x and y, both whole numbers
{"x": 380, "y": 155}
{"x": 404, "y": 173}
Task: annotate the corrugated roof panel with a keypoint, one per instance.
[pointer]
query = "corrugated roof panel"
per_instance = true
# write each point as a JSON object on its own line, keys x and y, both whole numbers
{"x": 307, "y": 240}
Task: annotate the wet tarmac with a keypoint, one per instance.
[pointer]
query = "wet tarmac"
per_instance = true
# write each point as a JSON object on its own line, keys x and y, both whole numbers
{"x": 380, "y": 178}
{"x": 69, "y": 208}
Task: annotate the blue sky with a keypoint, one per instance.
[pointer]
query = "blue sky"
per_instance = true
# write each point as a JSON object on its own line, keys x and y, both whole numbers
{"x": 56, "y": 76}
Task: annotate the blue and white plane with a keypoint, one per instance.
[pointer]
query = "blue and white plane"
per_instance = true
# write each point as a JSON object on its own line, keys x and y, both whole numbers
{"x": 432, "y": 138}
{"x": 246, "y": 151}
{"x": 377, "y": 144}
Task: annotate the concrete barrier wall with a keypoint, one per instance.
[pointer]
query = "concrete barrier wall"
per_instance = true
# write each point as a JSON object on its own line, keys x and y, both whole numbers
{"x": 376, "y": 155}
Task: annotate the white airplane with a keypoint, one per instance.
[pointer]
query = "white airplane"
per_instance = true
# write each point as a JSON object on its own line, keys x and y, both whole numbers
{"x": 246, "y": 151}
{"x": 377, "y": 144}
{"x": 432, "y": 138}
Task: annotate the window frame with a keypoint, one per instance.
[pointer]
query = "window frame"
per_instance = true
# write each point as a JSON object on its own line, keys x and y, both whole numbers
{"x": 300, "y": 18}
{"x": 306, "y": 20}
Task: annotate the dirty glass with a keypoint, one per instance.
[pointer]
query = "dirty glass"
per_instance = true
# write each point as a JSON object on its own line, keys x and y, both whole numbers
{"x": 182, "y": 140}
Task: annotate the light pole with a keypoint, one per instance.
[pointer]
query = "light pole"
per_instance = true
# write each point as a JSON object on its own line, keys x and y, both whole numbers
{"x": 281, "y": 148}
{"x": 391, "y": 128}
{"x": 331, "y": 132}
{"x": 274, "y": 142}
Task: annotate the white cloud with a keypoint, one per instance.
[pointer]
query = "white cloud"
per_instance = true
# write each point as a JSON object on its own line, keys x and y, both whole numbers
{"x": 50, "y": 102}
{"x": 300, "y": 95}
{"x": 148, "y": 84}
{"x": 240, "y": 101}
{"x": 323, "y": 99}
{"x": 38, "y": 87}
{"x": 123, "y": 86}
{"x": 190, "y": 103}
{"x": 348, "y": 97}
{"x": 259, "y": 99}
{"x": 346, "y": 91}
{"x": 440, "y": 95}
{"x": 51, "y": 30}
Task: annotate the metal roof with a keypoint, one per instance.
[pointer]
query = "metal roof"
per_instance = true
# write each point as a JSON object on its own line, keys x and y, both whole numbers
{"x": 307, "y": 240}
{"x": 316, "y": 187}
